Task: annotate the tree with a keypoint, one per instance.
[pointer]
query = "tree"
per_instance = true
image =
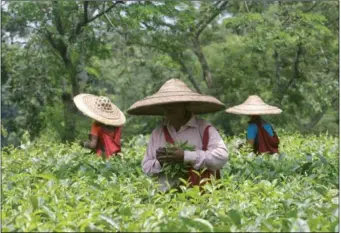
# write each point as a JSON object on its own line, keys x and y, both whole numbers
{"x": 174, "y": 29}
{"x": 294, "y": 55}
{"x": 286, "y": 52}
{"x": 60, "y": 26}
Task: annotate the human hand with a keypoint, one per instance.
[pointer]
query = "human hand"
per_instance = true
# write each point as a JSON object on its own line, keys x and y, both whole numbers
{"x": 173, "y": 155}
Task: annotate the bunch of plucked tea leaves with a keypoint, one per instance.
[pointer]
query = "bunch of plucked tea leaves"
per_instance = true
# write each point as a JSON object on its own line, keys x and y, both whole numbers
{"x": 176, "y": 170}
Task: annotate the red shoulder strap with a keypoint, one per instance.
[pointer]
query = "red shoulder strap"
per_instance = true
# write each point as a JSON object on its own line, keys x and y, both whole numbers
{"x": 205, "y": 145}
{"x": 205, "y": 138}
{"x": 168, "y": 137}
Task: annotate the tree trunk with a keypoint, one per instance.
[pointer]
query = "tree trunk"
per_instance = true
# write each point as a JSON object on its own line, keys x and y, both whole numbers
{"x": 277, "y": 83}
{"x": 69, "y": 131}
{"x": 317, "y": 117}
{"x": 189, "y": 73}
{"x": 62, "y": 48}
{"x": 203, "y": 62}
{"x": 295, "y": 74}
{"x": 74, "y": 80}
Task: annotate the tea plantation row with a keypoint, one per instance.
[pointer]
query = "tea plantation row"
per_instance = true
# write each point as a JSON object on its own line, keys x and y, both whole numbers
{"x": 57, "y": 187}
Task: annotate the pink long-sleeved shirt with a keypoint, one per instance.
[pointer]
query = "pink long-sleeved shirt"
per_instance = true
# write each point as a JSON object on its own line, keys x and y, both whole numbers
{"x": 215, "y": 157}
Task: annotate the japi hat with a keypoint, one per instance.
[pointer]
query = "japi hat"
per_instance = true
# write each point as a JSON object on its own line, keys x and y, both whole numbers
{"x": 100, "y": 108}
{"x": 254, "y": 105}
{"x": 175, "y": 91}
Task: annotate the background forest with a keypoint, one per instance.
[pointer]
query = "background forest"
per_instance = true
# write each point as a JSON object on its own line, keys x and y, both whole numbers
{"x": 285, "y": 52}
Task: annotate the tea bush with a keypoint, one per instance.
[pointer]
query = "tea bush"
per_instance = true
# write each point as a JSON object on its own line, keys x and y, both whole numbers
{"x": 57, "y": 187}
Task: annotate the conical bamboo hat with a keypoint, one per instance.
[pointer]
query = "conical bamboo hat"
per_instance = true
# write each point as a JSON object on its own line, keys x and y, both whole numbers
{"x": 254, "y": 105}
{"x": 175, "y": 91}
{"x": 100, "y": 108}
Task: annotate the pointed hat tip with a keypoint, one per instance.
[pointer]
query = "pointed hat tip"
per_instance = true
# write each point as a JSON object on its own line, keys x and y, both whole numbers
{"x": 173, "y": 80}
{"x": 254, "y": 96}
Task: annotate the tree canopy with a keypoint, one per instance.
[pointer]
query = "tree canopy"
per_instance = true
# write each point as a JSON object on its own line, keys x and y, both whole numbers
{"x": 285, "y": 52}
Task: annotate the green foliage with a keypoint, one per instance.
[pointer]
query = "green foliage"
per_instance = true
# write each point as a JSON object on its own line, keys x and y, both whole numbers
{"x": 29, "y": 87}
{"x": 48, "y": 186}
{"x": 180, "y": 145}
{"x": 279, "y": 54}
{"x": 4, "y": 132}
{"x": 285, "y": 52}
{"x": 176, "y": 170}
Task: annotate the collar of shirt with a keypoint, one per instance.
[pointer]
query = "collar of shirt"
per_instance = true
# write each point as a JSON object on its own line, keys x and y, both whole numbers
{"x": 192, "y": 122}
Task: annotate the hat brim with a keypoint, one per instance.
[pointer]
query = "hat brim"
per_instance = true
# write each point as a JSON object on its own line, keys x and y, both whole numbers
{"x": 197, "y": 104}
{"x": 254, "y": 110}
{"x": 117, "y": 120}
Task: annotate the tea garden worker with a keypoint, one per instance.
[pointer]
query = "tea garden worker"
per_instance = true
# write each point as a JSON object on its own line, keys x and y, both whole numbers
{"x": 179, "y": 104}
{"x": 105, "y": 135}
{"x": 260, "y": 134}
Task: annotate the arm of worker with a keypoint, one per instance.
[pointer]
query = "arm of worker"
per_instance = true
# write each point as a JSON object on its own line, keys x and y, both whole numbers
{"x": 214, "y": 158}
{"x": 150, "y": 164}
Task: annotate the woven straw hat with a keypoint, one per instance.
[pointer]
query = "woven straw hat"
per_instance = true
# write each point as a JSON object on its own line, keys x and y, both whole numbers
{"x": 254, "y": 105}
{"x": 175, "y": 91}
{"x": 100, "y": 109}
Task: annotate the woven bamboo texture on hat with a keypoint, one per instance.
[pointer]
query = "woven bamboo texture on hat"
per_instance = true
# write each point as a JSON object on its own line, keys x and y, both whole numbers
{"x": 100, "y": 108}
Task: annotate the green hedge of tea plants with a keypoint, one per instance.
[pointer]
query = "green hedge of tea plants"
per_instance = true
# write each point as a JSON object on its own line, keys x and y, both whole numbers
{"x": 57, "y": 187}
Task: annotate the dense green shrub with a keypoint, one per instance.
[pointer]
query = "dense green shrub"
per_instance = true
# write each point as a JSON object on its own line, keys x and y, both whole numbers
{"x": 56, "y": 187}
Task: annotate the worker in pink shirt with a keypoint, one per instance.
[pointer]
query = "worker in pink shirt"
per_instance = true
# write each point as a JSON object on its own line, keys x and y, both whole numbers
{"x": 179, "y": 104}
